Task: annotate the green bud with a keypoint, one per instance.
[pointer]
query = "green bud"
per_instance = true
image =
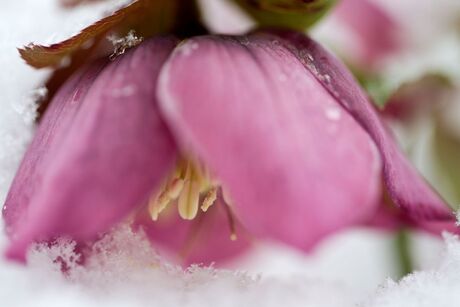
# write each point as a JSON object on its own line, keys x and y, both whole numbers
{"x": 294, "y": 14}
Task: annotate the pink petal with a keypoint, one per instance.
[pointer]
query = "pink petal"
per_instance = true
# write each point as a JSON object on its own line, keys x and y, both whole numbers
{"x": 297, "y": 166}
{"x": 387, "y": 218}
{"x": 112, "y": 152}
{"x": 376, "y": 31}
{"x": 406, "y": 187}
{"x": 65, "y": 105}
{"x": 437, "y": 228}
{"x": 204, "y": 240}
{"x": 391, "y": 219}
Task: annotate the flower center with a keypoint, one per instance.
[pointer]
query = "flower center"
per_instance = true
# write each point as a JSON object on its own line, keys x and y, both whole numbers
{"x": 192, "y": 188}
{"x": 190, "y": 185}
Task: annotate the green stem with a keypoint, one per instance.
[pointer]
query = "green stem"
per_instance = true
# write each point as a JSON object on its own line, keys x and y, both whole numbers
{"x": 403, "y": 252}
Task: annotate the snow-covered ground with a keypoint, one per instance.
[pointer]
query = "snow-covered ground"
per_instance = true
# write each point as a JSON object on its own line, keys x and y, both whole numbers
{"x": 347, "y": 270}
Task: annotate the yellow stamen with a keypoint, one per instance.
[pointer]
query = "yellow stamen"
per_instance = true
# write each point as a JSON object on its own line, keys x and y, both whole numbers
{"x": 187, "y": 183}
{"x": 175, "y": 188}
{"x": 209, "y": 200}
{"x": 170, "y": 192}
{"x": 191, "y": 187}
{"x": 157, "y": 205}
{"x": 190, "y": 181}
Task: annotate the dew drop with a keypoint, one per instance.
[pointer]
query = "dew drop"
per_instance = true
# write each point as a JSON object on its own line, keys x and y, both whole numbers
{"x": 333, "y": 113}
{"x": 186, "y": 49}
{"x": 326, "y": 78}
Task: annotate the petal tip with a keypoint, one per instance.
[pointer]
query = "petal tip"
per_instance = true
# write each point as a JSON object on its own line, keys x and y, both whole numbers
{"x": 17, "y": 252}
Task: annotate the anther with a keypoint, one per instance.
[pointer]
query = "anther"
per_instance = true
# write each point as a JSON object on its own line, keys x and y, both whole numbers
{"x": 231, "y": 221}
{"x": 209, "y": 199}
{"x": 157, "y": 204}
{"x": 189, "y": 183}
{"x": 175, "y": 188}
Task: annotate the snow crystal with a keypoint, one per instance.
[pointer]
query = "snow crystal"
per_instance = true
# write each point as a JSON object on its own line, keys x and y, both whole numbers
{"x": 126, "y": 272}
{"x": 429, "y": 288}
{"x": 124, "y": 43}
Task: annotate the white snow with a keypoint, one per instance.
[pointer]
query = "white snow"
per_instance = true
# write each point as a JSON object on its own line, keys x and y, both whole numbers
{"x": 438, "y": 287}
{"x": 128, "y": 273}
{"x": 342, "y": 272}
{"x": 121, "y": 44}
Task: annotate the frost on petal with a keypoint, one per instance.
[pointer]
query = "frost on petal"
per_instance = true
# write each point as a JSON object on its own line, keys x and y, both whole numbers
{"x": 205, "y": 240}
{"x": 406, "y": 187}
{"x": 296, "y": 165}
{"x": 112, "y": 154}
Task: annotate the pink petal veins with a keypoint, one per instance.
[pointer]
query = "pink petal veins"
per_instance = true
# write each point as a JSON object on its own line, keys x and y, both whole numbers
{"x": 296, "y": 164}
{"x": 406, "y": 187}
{"x": 114, "y": 152}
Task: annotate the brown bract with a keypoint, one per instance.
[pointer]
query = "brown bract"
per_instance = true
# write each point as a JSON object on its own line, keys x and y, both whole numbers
{"x": 146, "y": 17}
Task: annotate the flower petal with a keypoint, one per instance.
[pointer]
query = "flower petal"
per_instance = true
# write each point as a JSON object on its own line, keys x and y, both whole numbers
{"x": 297, "y": 166}
{"x": 390, "y": 219}
{"x": 51, "y": 131}
{"x": 112, "y": 154}
{"x": 376, "y": 31}
{"x": 406, "y": 187}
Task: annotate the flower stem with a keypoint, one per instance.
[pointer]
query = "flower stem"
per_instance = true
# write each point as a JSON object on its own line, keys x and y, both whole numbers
{"x": 402, "y": 245}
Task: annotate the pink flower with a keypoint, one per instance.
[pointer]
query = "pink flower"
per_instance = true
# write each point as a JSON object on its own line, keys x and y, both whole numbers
{"x": 269, "y": 130}
{"x": 368, "y": 33}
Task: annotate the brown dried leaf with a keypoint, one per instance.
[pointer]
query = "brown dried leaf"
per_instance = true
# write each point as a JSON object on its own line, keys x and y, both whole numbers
{"x": 146, "y": 17}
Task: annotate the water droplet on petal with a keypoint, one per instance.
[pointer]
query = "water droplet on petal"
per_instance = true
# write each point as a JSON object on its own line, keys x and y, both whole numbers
{"x": 333, "y": 113}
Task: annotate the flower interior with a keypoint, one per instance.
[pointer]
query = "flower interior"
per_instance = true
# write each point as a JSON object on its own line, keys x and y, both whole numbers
{"x": 191, "y": 187}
